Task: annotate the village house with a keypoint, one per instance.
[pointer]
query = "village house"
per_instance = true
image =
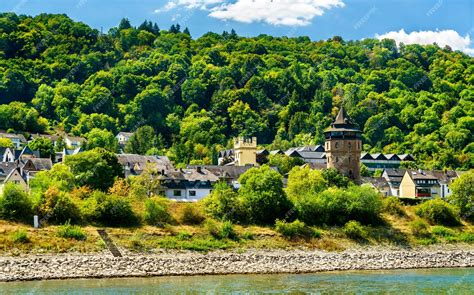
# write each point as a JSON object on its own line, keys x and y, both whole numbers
{"x": 378, "y": 183}
{"x": 73, "y": 142}
{"x": 7, "y": 154}
{"x": 419, "y": 184}
{"x": 187, "y": 185}
{"x": 123, "y": 137}
{"x": 11, "y": 175}
{"x": 31, "y": 166}
{"x": 18, "y": 140}
{"x": 228, "y": 174}
{"x": 135, "y": 164}
{"x": 54, "y": 138}
{"x": 393, "y": 178}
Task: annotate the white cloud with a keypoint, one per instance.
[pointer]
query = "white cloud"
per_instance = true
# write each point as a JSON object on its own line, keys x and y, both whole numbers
{"x": 274, "y": 12}
{"x": 442, "y": 38}
{"x": 189, "y": 4}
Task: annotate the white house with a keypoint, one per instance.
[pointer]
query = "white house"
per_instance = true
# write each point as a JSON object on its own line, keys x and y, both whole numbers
{"x": 18, "y": 140}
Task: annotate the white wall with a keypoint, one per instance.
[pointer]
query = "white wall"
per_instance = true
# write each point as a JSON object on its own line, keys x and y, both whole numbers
{"x": 186, "y": 194}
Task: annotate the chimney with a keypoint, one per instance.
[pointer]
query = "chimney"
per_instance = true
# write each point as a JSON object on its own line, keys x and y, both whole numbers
{"x": 163, "y": 172}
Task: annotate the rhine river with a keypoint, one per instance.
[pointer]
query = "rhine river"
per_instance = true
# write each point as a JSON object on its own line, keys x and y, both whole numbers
{"x": 414, "y": 281}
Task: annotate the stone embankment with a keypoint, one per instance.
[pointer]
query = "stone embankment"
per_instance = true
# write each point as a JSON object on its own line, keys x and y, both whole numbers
{"x": 66, "y": 266}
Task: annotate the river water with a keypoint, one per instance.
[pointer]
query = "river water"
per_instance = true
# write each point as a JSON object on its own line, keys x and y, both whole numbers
{"x": 419, "y": 281}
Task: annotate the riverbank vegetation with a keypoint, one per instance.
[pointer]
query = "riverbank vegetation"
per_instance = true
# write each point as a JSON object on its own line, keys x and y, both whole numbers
{"x": 311, "y": 212}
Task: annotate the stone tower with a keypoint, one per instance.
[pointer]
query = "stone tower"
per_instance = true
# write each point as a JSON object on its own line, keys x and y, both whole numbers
{"x": 343, "y": 146}
{"x": 245, "y": 151}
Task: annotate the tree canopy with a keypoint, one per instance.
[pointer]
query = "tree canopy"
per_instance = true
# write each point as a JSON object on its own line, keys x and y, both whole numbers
{"x": 58, "y": 74}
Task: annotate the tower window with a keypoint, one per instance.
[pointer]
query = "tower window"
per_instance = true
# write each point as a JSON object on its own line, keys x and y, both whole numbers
{"x": 337, "y": 159}
{"x": 336, "y": 145}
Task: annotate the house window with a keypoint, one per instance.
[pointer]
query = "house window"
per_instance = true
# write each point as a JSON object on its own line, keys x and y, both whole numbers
{"x": 192, "y": 193}
{"x": 177, "y": 193}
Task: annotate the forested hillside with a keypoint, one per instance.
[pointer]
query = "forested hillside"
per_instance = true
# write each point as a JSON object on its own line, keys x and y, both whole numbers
{"x": 57, "y": 74}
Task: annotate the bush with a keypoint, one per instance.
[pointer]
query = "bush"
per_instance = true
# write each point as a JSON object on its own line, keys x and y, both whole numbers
{"x": 294, "y": 229}
{"x": 437, "y": 211}
{"x": 228, "y": 231}
{"x": 156, "y": 211}
{"x": 69, "y": 231}
{"x": 354, "y": 230}
{"x": 393, "y": 205}
{"x": 57, "y": 207}
{"x": 109, "y": 210}
{"x": 463, "y": 194}
{"x": 263, "y": 196}
{"x": 191, "y": 214}
{"x": 419, "y": 228}
{"x": 223, "y": 203}
{"x": 336, "y": 206}
{"x": 19, "y": 236}
{"x": 466, "y": 237}
{"x": 442, "y": 231}
{"x": 14, "y": 203}
{"x": 221, "y": 230}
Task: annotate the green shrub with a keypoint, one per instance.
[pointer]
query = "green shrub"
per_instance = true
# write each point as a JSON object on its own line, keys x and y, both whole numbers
{"x": 262, "y": 195}
{"x": 228, "y": 232}
{"x": 69, "y": 231}
{"x": 191, "y": 214}
{"x": 336, "y": 206}
{"x": 19, "y": 236}
{"x": 442, "y": 231}
{"x": 419, "y": 228}
{"x": 248, "y": 235}
{"x": 393, "y": 205}
{"x": 437, "y": 211}
{"x": 354, "y": 230}
{"x": 58, "y": 207}
{"x": 14, "y": 203}
{"x": 293, "y": 229}
{"x": 223, "y": 203}
{"x": 467, "y": 237}
{"x": 109, "y": 210}
{"x": 219, "y": 230}
{"x": 184, "y": 235}
{"x": 156, "y": 211}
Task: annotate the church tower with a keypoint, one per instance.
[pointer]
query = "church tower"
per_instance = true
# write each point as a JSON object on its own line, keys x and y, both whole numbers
{"x": 343, "y": 146}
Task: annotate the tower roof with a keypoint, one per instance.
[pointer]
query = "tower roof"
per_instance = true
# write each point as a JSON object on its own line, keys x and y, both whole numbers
{"x": 343, "y": 122}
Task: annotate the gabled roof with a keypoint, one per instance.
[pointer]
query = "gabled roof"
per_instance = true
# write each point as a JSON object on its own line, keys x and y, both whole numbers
{"x": 6, "y": 168}
{"x": 293, "y": 153}
{"x": 26, "y": 151}
{"x": 277, "y": 152}
{"x": 377, "y": 182}
{"x": 39, "y": 163}
{"x": 75, "y": 138}
{"x": 366, "y": 156}
{"x": 315, "y": 166}
{"x": 48, "y": 136}
{"x": 12, "y": 173}
{"x": 444, "y": 177}
{"x": 226, "y": 153}
{"x": 72, "y": 152}
{"x": 13, "y": 135}
{"x": 406, "y": 157}
{"x": 127, "y": 134}
{"x": 224, "y": 172}
{"x": 378, "y": 156}
{"x": 421, "y": 175}
{"x": 263, "y": 152}
{"x": 392, "y": 157}
{"x": 312, "y": 155}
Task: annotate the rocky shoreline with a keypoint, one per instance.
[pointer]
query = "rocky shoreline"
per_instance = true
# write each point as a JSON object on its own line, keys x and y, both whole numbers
{"x": 68, "y": 266}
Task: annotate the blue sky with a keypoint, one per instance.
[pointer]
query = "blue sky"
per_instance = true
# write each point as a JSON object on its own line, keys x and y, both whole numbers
{"x": 418, "y": 21}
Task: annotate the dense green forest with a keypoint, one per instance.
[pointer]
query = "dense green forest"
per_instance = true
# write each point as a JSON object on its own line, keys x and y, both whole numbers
{"x": 57, "y": 74}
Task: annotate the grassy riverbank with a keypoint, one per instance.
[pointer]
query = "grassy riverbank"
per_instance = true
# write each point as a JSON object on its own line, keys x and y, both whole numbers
{"x": 398, "y": 230}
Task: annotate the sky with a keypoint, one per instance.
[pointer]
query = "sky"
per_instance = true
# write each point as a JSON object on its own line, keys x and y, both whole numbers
{"x": 446, "y": 22}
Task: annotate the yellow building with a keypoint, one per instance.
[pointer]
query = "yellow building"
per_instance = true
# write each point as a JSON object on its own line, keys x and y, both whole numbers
{"x": 245, "y": 151}
{"x": 419, "y": 184}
